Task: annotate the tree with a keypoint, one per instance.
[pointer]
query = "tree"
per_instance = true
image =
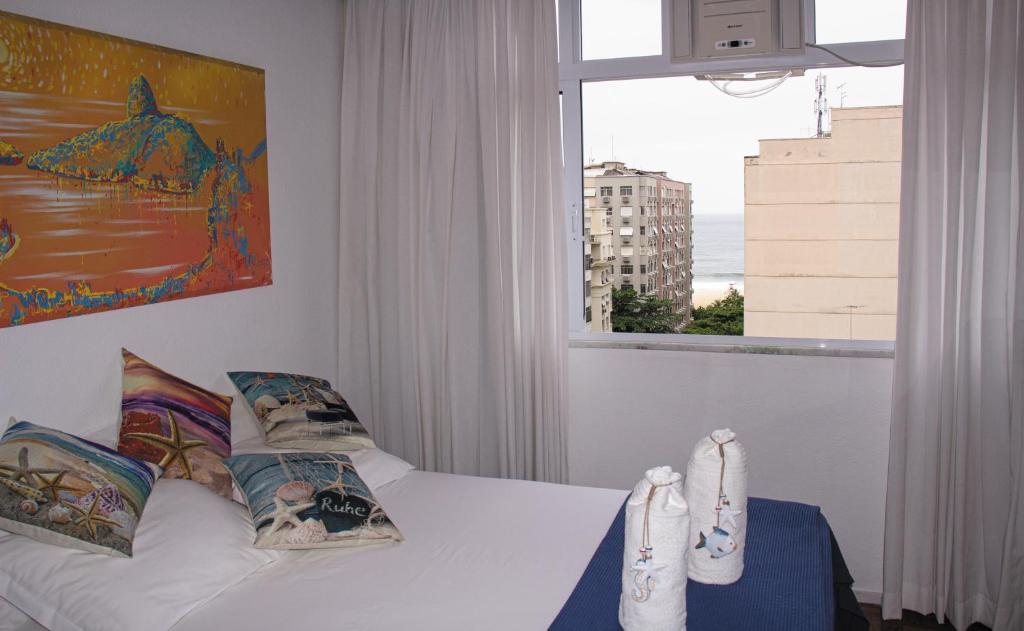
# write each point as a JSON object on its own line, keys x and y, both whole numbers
{"x": 721, "y": 317}
{"x": 632, "y": 313}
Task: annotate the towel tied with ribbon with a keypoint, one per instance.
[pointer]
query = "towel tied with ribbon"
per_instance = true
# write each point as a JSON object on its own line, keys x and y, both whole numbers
{"x": 654, "y": 557}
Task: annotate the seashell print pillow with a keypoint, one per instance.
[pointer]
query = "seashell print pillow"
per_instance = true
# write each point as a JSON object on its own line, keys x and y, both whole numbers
{"x": 310, "y": 500}
{"x": 300, "y": 412}
{"x": 170, "y": 422}
{"x": 60, "y": 489}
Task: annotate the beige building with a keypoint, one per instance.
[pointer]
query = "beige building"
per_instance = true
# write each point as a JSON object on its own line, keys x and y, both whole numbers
{"x": 650, "y": 219}
{"x": 597, "y": 270}
{"x": 821, "y": 230}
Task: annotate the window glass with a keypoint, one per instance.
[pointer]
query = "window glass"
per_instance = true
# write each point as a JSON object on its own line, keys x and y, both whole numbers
{"x": 791, "y": 199}
{"x": 620, "y": 28}
{"x": 838, "y": 21}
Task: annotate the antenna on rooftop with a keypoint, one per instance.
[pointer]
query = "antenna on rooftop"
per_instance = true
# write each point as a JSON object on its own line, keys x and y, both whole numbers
{"x": 842, "y": 93}
{"x": 613, "y": 146}
{"x": 821, "y": 109}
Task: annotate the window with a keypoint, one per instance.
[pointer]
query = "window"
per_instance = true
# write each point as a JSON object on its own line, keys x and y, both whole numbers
{"x": 606, "y": 191}
{"x": 837, "y": 21}
{"x": 719, "y": 178}
{"x": 643, "y": 289}
{"x": 589, "y": 192}
{"x": 627, "y": 270}
{"x": 612, "y": 28}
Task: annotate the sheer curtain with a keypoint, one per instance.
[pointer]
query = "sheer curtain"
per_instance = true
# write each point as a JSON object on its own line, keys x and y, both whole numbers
{"x": 453, "y": 340}
{"x": 954, "y": 533}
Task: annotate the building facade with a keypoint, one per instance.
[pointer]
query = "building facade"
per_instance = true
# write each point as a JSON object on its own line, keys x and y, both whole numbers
{"x": 598, "y": 262}
{"x": 821, "y": 230}
{"x": 650, "y": 218}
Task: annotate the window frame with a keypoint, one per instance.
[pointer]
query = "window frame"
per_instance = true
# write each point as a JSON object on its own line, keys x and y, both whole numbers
{"x": 573, "y": 71}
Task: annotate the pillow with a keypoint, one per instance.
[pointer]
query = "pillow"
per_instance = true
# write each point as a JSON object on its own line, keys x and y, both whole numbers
{"x": 310, "y": 500}
{"x": 67, "y": 491}
{"x": 181, "y": 427}
{"x": 191, "y": 547}
{"x": 375, "y": 466}
{"x": 301, "y": 412}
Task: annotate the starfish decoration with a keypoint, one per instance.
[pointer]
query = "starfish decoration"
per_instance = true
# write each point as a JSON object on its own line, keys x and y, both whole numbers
{"x": 728, "y": 514}
{"x": 90, "y": 517}
{"x": 339, "y": 482}
{"x": 53, "y": 485}
{"x": 23, "y": 471}
{"x": 287, "y": 514}
{"x": 175, "y": 447}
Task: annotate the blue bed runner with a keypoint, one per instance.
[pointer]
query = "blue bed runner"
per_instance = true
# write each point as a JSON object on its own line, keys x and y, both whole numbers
{"x": 786, "y": 583}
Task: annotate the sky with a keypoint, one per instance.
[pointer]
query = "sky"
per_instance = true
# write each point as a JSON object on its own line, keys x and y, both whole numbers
{"x": 696, "y": 133}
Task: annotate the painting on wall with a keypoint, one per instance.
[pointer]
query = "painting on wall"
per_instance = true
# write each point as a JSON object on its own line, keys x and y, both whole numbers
{"x": 129, "y": 173}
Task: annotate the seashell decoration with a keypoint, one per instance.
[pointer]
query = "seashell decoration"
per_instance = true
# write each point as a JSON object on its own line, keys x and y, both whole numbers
{"x": 59, "y": 514}
{"x": 295, "y": 491}
{"x": 110, "y": 500}
{"x": 126, "y": 524}
{"x": 309, "y": 532}
{"x": 67, "y": 496}
{"x": 29, "y": 507}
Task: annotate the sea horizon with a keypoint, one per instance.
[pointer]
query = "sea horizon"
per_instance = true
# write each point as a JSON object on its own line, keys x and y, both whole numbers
{"x": 717, "y": 255}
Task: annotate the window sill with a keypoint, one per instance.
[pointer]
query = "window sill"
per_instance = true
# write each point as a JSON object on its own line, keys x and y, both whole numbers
{"x": 869, "y": 349}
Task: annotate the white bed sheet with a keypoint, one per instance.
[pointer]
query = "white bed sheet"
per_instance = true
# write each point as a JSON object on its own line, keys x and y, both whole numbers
{"x": 479, "y": 553}
{"x": 13, "y": 619}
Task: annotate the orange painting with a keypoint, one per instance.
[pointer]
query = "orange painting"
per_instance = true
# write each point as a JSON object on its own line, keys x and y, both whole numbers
{"x": 129, "y": 173}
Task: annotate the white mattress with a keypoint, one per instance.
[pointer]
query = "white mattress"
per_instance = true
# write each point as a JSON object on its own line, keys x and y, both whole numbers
{"x": 479, "y": 553}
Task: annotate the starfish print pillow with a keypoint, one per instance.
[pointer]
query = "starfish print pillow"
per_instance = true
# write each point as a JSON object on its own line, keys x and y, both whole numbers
{"x": 68, "y": 491}
{"x": 179, "y": 426}
{"x": 300, "y": 412}
{"x": 310, "y": 500}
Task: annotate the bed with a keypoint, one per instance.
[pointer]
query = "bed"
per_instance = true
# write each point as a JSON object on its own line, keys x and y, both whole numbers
{"x": 479, "y": 554}
{"x": 485, "y": 553}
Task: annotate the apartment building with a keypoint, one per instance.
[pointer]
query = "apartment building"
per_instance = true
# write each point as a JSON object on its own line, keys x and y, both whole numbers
{"x": 821, "y": 228}
{"x": 598, "y": 261}
{"x": 650, "y": 219}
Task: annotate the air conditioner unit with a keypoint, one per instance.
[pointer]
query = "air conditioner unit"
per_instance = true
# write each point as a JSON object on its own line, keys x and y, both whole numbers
{"x": 709, "y": 29}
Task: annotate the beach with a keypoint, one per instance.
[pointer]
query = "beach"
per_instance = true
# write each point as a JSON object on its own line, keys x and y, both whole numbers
{"x": 707, "y": 291}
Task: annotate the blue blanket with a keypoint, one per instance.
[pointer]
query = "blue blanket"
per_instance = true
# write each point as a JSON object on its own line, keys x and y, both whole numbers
{"x": 786, "y": 583}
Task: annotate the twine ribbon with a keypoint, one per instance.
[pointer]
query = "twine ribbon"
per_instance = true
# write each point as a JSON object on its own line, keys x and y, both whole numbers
{"x": 721, "y": 478}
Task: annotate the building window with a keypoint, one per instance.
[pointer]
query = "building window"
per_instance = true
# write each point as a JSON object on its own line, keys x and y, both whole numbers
{"x": 627, "y": 270}
{"x": 606, "y": 191}
{"x": 643, "y": 289}
{"x": 625, "y": 191}
{"x": 643, "y": 268}
{"x": 643, "y": 229}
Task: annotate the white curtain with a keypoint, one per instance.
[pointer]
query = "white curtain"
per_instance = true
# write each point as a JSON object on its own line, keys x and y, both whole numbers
{"x": 954, "y": 532}
{"x": 453, "y": 339}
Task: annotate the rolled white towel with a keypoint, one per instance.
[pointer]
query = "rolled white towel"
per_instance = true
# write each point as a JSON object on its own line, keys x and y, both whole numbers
{"x": 718, "y": 530}
{"x": 654, "y": 568}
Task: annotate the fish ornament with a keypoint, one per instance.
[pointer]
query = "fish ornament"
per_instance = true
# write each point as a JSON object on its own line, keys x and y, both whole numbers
{"x": 719, "y": 542}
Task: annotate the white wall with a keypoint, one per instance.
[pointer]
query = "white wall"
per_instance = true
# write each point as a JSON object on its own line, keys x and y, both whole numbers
{"x": 66, "y": 373}
{"x": 816, "y": 429}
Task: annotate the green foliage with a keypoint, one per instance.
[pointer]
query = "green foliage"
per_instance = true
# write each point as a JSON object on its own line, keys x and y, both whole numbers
{"x": 721, "y": 317}
{"x": 632, "y": 313}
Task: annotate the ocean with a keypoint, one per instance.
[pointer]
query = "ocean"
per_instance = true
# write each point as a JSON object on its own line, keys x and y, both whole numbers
{"x": 717, "y": 255}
